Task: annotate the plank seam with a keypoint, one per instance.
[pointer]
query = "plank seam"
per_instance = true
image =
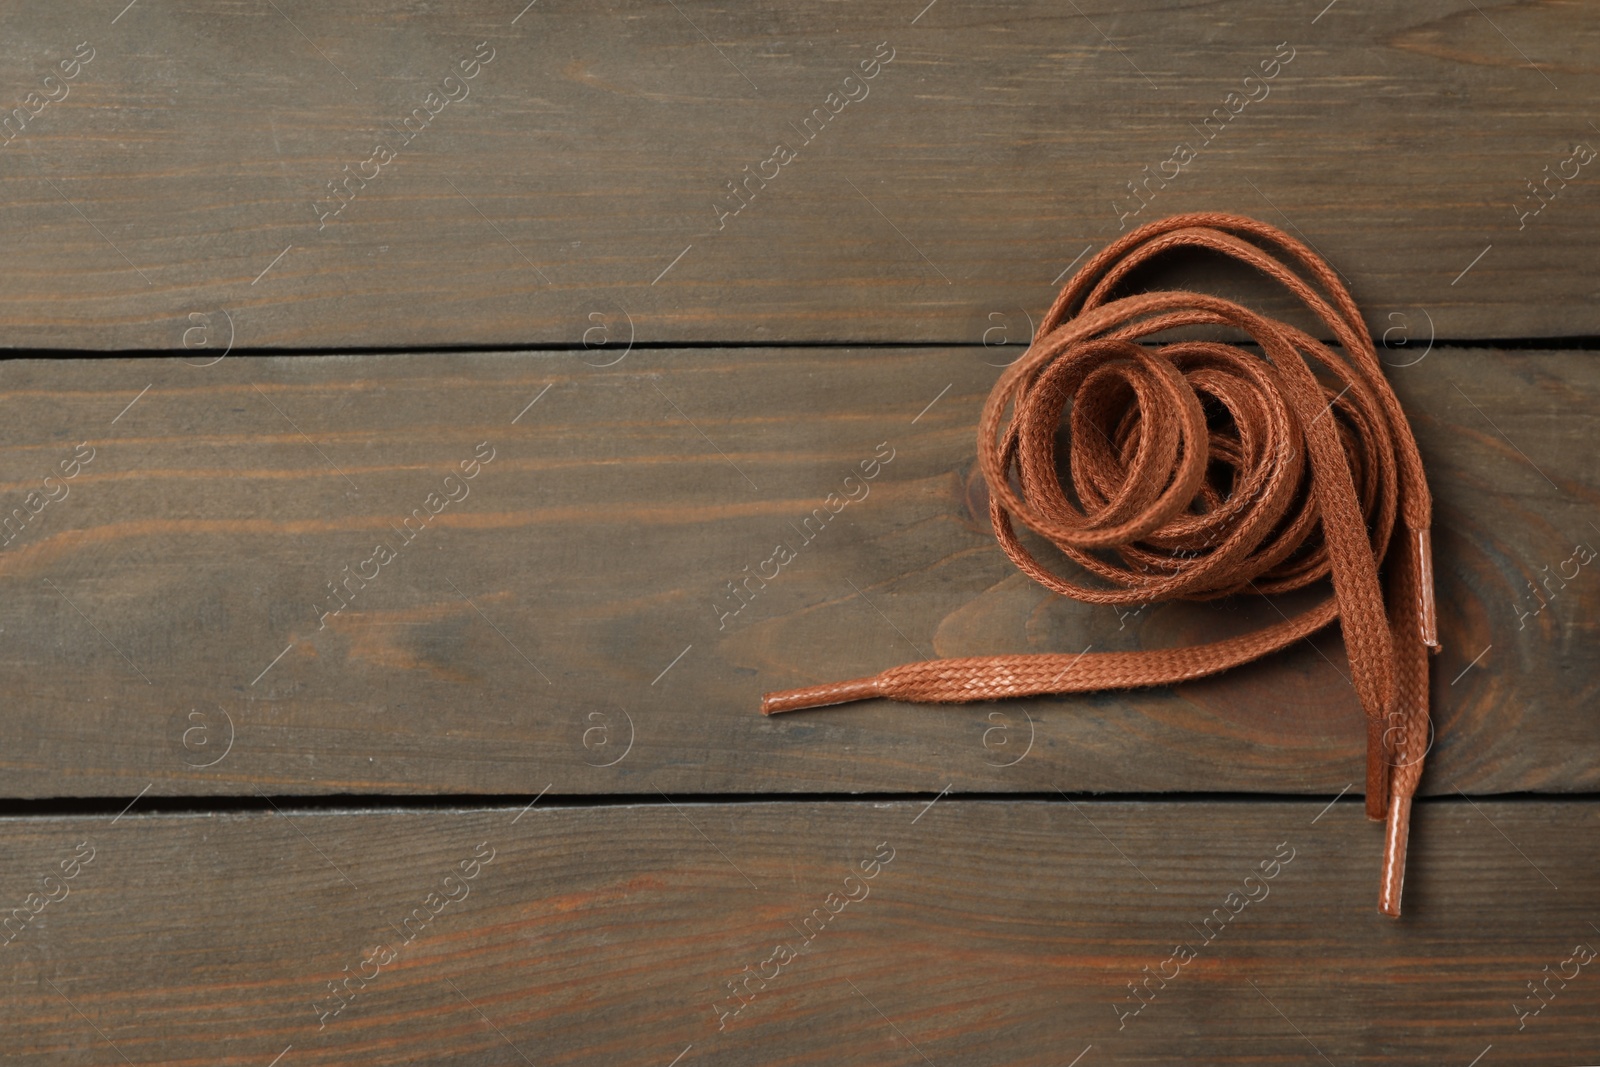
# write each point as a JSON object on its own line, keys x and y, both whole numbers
{"x": 1581, "y": 343}
{"x": 466, "y": 803}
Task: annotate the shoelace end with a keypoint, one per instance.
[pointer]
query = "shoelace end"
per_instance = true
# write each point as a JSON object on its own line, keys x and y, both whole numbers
{"x": 819, "y": 696}
{"x": 1377, "y": 768}
{"x": 1428, "y": 620}
{"x": 1396, "y": 835}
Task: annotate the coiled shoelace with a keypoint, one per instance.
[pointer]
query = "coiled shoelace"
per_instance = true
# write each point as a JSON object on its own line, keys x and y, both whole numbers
{"x": 1201, "y": 470}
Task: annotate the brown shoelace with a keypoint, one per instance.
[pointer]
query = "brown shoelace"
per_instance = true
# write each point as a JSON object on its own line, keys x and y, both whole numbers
{"x": 1202, "y": 470}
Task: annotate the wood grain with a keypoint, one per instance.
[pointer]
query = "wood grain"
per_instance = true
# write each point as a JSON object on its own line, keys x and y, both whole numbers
{"x": 568, "y": 623}
{"x": 995, "y": 933}
{"x": 168, "y": 198}
{"x": 238, "y": 573}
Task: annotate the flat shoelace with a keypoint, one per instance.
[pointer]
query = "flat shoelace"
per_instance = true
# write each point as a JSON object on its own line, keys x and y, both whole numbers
{"x": 1201, "y": 470}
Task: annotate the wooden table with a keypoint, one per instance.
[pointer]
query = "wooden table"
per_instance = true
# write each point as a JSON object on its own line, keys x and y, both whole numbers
{"x": 397, "y": 393}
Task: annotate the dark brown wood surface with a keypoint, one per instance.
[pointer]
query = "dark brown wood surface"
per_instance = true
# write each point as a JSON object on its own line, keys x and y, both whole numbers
{"x": 466, "y": 281}
{"x": 569, "y": 623}
{"x": 995, "y": 933}
{"x": 170, "y": 195}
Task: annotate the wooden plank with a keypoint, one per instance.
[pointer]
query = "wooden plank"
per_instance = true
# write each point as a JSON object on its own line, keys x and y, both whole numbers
{"x": 989, "y": 933}
{"x": 178, "y": 191}
{"x": 565, "y": 618}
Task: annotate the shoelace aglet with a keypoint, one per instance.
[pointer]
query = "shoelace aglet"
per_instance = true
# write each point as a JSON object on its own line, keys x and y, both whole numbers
{"x": 1428, "y": 621}
{"x": 1377, "y": 768}
{"x": 819, "y": 696}
{"x": 1395, "y": 837}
